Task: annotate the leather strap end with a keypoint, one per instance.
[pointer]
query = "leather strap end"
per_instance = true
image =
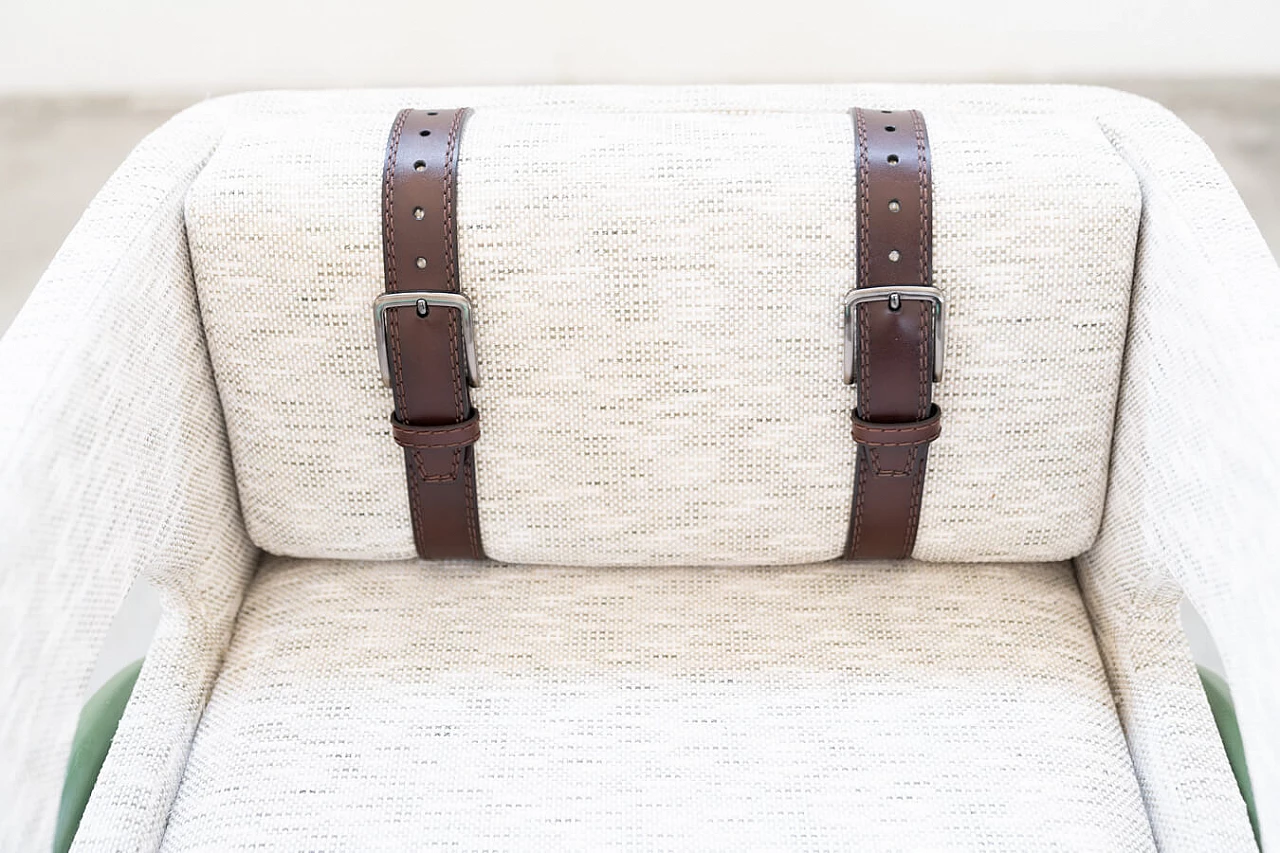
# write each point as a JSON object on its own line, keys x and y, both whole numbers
{"x": 909, "y": 434}
{"x": 442, "y": 437}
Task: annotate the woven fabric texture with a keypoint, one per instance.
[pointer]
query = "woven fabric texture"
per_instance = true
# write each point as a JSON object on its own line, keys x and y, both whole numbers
{"x": 658, "y": 299}
{"x": 1161, "y": 704}
{"x": 114, "y": 464}
{"x": 489, "y": 707}
{"x": 1194, "y": 499}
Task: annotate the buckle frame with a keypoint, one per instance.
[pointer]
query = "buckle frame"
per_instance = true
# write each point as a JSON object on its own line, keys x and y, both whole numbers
{"x": 892, "y": 294}
{"x": 424, "y": 301}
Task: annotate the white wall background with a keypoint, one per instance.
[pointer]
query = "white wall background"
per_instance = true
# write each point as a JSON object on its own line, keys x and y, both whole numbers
{"x": 165, "y": 46}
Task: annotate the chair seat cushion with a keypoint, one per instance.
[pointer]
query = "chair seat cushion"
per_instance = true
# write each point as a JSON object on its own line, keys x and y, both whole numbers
{"x": 376, "y": 705}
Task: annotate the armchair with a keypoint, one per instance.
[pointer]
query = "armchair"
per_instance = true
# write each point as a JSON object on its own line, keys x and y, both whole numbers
{"x": 663, "y": 651}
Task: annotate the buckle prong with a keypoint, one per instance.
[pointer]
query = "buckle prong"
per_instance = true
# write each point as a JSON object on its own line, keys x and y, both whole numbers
{"x": 422, "y": 302}
{"x": 894, "y": 294}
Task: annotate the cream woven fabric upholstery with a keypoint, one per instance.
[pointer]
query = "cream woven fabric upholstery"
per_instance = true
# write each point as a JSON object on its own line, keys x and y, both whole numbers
{"x": 658, "y": 301}
{"x": 516, "y": 708}
{"x": 114, "y": 463}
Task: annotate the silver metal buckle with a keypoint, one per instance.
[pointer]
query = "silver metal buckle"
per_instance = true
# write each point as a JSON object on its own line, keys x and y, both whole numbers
{"x": 893, "y": 294}
{"x": 424, "y": 301}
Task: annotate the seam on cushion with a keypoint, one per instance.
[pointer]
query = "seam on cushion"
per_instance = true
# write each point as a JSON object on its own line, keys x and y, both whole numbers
{"x": 1110, "y": 681}
{"x": 215, "y": 148}
{"x": 227, "y": 639}
{"x": 1122, "y": 367}
{"x": 1109, "y": 473}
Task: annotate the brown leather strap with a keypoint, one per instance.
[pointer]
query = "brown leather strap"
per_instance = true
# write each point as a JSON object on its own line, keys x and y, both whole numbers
{"x": 891, "y": 332}
{"x": 427, "y": 355}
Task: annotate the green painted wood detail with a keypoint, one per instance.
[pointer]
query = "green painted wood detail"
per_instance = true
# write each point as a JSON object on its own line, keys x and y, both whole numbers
{"x": 98, "y": 722}
{"x": 1224, "y": 714}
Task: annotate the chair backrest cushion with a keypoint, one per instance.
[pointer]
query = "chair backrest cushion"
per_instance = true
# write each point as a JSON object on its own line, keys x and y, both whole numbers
{"x": 657, "y": 283}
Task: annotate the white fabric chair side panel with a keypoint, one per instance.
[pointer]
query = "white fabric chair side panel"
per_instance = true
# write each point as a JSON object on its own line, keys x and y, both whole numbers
{"x": 1194, "y": 493}
{"x": 113, "y": 465}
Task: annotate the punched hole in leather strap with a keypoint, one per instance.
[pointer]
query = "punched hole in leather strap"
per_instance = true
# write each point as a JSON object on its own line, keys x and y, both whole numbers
{"x": 893, "y": 332}
{"x": 426, "y": 344}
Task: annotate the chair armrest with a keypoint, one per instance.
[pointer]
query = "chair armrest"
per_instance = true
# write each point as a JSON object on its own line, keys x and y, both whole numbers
{"x": 1194, "y": 496}
{"x": 113, "y": 459}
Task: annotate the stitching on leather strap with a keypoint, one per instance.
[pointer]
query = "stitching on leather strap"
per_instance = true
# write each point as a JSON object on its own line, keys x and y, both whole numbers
{"x": 419, "y": 177}
{"x": 426, "y": 476}
{"x": 393, "y": 319}
{"x": 451, "y": 276}
{"x": 891, "y": 455}
{"x": 925, "y": 248}
{"x": 864, "y": 260}
{"x": 879, "y": 470}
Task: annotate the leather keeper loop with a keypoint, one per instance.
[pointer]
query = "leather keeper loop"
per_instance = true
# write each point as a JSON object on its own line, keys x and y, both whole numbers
{"x": 442, "y": 437}
{"x": 898, "y": 435}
